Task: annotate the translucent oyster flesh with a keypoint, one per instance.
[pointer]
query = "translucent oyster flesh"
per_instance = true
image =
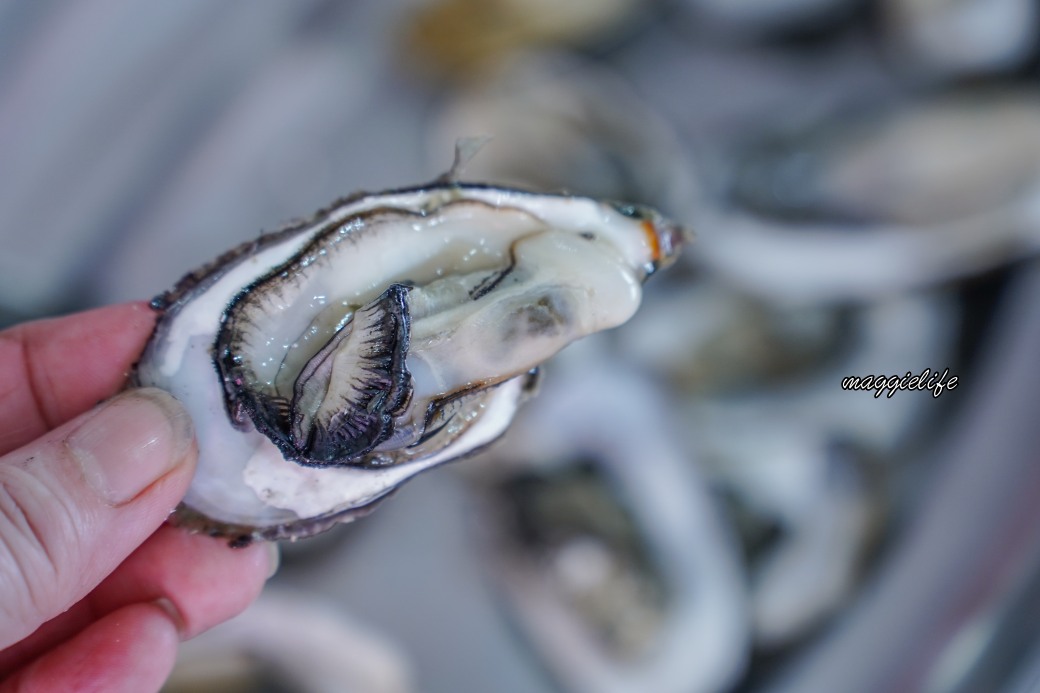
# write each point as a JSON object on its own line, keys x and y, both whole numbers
{"x": 327, "y": 363}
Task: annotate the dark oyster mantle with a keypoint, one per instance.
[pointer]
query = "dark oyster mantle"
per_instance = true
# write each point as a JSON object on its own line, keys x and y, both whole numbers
{"x": 328, "y": 362}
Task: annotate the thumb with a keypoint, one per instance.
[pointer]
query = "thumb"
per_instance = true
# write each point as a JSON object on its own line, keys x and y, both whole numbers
{"x": 76, "y": 502}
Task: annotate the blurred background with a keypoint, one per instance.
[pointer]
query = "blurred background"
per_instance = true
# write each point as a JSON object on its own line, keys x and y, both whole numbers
{"x": 693, "y": 503}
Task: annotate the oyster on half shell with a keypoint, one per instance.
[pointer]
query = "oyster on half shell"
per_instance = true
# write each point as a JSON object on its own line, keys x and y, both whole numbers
{"x": 327, "y": 363}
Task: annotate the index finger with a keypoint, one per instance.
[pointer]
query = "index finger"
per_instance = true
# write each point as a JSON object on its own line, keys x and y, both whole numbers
{"x": 55, "y": 369}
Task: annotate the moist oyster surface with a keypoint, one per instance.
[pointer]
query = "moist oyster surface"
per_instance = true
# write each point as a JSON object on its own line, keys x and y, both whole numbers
{"x": 327, "y": 363}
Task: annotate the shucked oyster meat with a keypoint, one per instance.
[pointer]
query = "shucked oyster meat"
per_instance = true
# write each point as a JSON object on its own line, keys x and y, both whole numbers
{"x": 327, "y": 363}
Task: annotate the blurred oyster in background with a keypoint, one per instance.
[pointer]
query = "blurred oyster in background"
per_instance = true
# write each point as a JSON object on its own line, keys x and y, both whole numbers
{"x": 736, "y": 343}
{"x": 559, "y": 123}
{"x": 803, "y": 466}
{"x": 292, "y": 643}
{"x": 808, "y": 515}
{"x": 817, "y": 470}
{"x": 924, "y": 162}
{"x": 954, "y": 37}
{"x": 778, "y": 342}
{"x": 605, "y": 542}
{"x": 952, "y": 605}
{"x": 566, "y": 518}
{"x": 856, "y": 208}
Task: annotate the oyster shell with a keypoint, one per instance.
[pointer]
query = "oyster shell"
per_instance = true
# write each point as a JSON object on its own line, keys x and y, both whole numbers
{"x": 329, "y": 362}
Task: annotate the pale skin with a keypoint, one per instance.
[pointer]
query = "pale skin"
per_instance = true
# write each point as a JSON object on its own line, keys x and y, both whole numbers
{"x": 95, "y": 590}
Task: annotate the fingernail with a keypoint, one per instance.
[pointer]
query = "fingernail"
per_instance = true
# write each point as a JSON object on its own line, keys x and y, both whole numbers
{"x": 173, "y": 613}
{"x": 274, "y": 558}
{"x": 130, "y": 442}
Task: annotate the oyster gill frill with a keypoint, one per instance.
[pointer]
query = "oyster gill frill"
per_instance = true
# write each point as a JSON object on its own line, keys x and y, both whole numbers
{"x": 327, "y": 363}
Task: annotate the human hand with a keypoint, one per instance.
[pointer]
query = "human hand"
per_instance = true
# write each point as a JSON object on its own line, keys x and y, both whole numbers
{"x": 95, "y": 593}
